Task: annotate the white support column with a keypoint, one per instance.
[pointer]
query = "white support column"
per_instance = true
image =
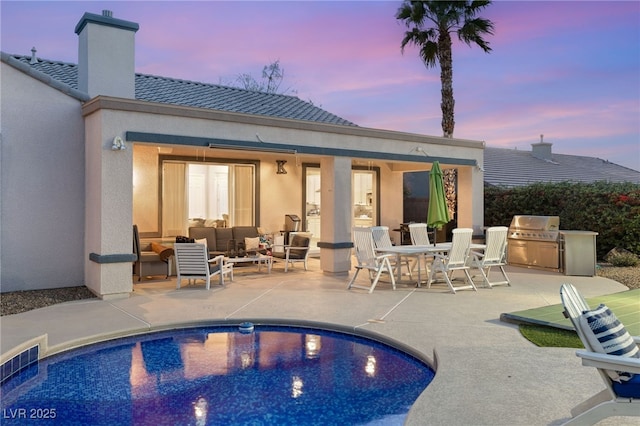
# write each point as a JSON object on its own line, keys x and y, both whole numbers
{"x": 108, "y": 214}
{"x": 471, "y": 199}
{"x": 335, "y": 195}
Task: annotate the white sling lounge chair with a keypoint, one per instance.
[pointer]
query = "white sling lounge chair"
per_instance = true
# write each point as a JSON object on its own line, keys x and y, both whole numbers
{"x": 420, "y": 237}
{"x": 454, "y": 260}
{"x": 192, "y": 263}
{"x": 494, "y": 255}
{"x": 620, "y": 397}
{"x": 367, "y": 259}
{"x": 419, "y": 234}
{"x": 382, "y": 240}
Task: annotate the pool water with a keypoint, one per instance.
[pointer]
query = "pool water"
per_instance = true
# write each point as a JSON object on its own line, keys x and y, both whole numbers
{"x": 275, "y": 375}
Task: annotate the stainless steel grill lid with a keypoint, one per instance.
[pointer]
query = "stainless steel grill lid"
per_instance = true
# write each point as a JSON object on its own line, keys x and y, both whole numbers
{"x": 533, "y": 241}
{"x": 535, "y": 228}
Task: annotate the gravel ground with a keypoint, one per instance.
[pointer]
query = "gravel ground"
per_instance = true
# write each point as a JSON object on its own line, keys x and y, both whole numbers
{"x": 629, "y": 275}
{"x": 22, "y": 301}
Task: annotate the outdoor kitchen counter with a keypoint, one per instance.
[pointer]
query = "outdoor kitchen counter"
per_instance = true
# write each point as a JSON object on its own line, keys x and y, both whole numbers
{"x": 578, "y": 252}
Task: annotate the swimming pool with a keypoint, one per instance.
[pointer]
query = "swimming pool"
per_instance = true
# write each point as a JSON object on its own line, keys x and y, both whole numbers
{"x": 274, "y": 375}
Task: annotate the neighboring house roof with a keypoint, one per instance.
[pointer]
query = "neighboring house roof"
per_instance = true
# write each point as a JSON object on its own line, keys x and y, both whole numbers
{"x": 512, "y": 167}
{"x": 166, "y": 90}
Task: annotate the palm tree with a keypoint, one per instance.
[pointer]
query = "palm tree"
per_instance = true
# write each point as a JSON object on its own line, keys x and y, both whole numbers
{"x": 435, "y": 42}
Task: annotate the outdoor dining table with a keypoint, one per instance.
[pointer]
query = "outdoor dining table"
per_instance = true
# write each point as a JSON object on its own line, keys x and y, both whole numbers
{"x": 420, "y": 250}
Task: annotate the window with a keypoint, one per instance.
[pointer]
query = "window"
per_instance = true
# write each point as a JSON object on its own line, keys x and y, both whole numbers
{"x": 206, "y": 194}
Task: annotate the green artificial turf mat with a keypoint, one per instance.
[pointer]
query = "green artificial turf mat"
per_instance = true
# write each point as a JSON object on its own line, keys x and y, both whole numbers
{"x": 626, "y": 306}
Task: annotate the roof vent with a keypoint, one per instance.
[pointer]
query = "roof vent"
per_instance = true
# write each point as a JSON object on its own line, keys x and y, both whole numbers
{"x": 541, "y": 150}
{"x": 107, "y": 13}
{"x": 33, "y": 60}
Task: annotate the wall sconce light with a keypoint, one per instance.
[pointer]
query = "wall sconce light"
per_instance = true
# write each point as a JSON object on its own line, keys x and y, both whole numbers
{"x": 280, "y": 170}
{"x": 420, "y": 150}
{"x": 118, "y": 144}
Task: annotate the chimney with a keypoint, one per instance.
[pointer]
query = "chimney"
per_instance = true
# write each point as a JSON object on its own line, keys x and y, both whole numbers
{"x": 542, "y": 150}
{"x": 106, "y": 55}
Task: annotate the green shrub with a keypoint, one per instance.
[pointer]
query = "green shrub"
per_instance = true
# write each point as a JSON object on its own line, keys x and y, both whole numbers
{"x": 623, "y": 259}
{"x": 610, "y": 209}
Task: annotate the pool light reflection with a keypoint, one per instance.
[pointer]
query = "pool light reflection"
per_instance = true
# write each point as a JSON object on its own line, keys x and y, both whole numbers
{"x": 312, "y": 344}
{"x": 296, "y": 387}
{"x": 200, "y": 407}
{"x": 370, "y": 367}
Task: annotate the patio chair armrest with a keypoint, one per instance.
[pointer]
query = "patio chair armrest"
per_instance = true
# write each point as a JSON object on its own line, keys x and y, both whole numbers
{"x": 217, "y": 259}
{"x": 476, "y": 254}
{"x": 636, "y": 339}
{"x": 609, "y": 362}
{"x": 388, "y": 256}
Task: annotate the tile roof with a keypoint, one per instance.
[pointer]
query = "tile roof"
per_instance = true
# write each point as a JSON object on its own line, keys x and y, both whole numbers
{"x": 512, "y": 167}
{"x": 503, "y": 167}
{"x": 200, "y": 95}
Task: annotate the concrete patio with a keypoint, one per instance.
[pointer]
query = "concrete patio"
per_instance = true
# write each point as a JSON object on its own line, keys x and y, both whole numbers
{"x": 487, "y": 373}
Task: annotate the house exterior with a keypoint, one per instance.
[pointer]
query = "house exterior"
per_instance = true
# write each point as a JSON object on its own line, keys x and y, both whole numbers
{"x": 87, "y": 150}
{"x": 512, "y": 167}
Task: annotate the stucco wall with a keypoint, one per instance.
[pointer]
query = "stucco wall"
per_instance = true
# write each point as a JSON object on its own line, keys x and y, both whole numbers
{"x": 42, "y": 185}
{"x": 145, "y": 188}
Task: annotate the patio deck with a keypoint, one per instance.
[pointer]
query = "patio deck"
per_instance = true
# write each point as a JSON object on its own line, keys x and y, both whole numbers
{"x": 487, "y": 373}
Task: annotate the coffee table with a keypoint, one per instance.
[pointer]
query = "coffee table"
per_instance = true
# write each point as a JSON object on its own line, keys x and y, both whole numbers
{"x": 260, "y": 259}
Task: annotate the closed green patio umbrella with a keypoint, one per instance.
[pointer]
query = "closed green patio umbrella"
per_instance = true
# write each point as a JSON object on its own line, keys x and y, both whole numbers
{"x": 438, "y": 214}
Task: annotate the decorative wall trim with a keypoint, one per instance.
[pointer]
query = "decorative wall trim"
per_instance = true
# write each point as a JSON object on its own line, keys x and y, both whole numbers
{"x": 21, "y": 357}
{"x": 112, "y": 258}
{"x": 335, "y": 246}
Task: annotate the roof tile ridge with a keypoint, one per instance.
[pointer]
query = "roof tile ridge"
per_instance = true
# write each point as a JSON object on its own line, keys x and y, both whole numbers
{"x": 42, "y": 60}
{"x": 505, "y": 149}
{"x": 43, "y": 77}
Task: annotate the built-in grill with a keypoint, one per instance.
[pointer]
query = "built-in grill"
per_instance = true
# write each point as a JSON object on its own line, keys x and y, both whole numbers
{"x": 533, "y": 241}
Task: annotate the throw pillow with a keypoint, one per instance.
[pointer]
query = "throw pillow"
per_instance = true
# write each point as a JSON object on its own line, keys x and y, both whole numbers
{"x": 202, "y": 241}
{"x": 252, "y": 243}
{"x": 607, "y": 335}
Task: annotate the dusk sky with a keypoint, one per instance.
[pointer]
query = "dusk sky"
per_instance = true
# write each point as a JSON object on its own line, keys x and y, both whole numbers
{"x": 567, "y": 69}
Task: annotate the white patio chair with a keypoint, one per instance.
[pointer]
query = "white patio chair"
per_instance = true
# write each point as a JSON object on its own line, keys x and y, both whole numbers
{"x": 419, "y": 234}
{"x": 192, "y": 263}
{"x": 454, "y": 260}
{"x": 367, "y": 259}
{"x": 381, "y": 240}
{"x": 620, "y": 397}
{"x": 494, "y": 254}
{"x": 420, "y": 237}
